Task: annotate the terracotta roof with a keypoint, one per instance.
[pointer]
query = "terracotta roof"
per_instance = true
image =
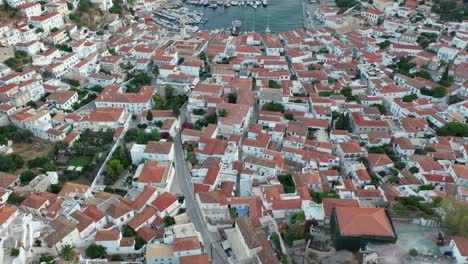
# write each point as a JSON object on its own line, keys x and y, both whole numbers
{"x": 118, "y": 209}
{"x": 61, "y": 96}
{"x": 107, "y": 235}
{"x": 462, "y": 244}
{"x": 104, "y": 114}
{"x": 350, "y": 147}
{"x": 6, "y": 212}
{"x": 378, "y": 160}
{"x": 141, "y": 218}
{"x": 354, "y": 221}
{"x": 143, "y": 198}
{"x": 158, "y": 147}
{"x": 287, "y": 204}
{"x": 460, "y": 170}
{"x": 70, "y": 187}
{"x": 248, "y": 232}
{"x": 330, "y": 203}
{"x": 127, "y": 241}
{"x": 94, "y": 213}
{"x": 62, "y": 227}
{"x": 306, "y": 179}
{"x": 83, "y": 219}
{"x": 213, "y": 197}
{"x": 153, "y": 172}
{"x": 147, "y": 233}
{"x": 34, "y": 201}
{"x": 111, "y": 94}
{"x": 163, "y": 201}
{"x": 195, "y": 259}
{"x": 7, "y": 179}
{"x": 186, "y": 243}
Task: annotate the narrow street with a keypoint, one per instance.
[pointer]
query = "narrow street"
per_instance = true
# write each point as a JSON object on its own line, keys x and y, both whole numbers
{"x": 182, "y": 179}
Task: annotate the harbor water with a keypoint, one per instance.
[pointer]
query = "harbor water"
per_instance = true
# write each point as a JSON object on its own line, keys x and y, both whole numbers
{"x": 280, "y": 15}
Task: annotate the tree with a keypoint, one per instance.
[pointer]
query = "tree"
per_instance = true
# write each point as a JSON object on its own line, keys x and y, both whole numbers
{"x": 15, "y": 199}
{"x": 116, "y": 258}
{"x": 114, "y": 169}
{"x": 95, "y": 251}
{"x": 413, "y": 252}
{"x": 14, "y": 252}
{"x": 159, "y": 102}
{"x": 68, "y": 253}
{"x": 169, "y": 221}
{"x": 423, "y": 74}
{"x": 274, "y": 84}
{"x": 439, "y": 92}
{"x": 453, "y": 99}
{"x": 11, "y": 162}
{"x": 289, "y": 116}
{"x": 149, "y": 116}
{"x": 169, "y": 91}
{"x": 453, "y": 129}
{"x": 409, "y": 98}
{"x": 192, "y": 158}
{"x": 55, "y": 188}
{"x": 222, "y": 112}
{"x": 413, "y": 170}
{"x": 212, "y": 119}
{"x": 456, "y": 216}
{"x": 199, "y": 111}
{"x": 202, "y": 56}
{"x": 381, "y": 108}
{"x": 156, "y": 70}
{"x": 346, "y": 91}
{"x": 273, "y": 106}
{"x": 400, "y": 165}
{"x": 343, "y": 122}
{"x": 122, "y": 154}
{"x": 27, "y": 176}
{"x": 32, "y": 104}
{"x": 232, "y": 98}
{"x": 384, "y": 44}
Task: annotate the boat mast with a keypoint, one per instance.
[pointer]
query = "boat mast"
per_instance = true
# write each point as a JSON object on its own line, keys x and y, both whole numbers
{"x": 268, "y": 25}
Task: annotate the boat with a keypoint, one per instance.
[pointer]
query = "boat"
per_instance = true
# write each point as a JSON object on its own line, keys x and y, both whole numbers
{"x": 267, "y": 30}
{"x": 213, "y": 5}
{"x": 236, "y": 27}
{"x": 265, "y": 3}
{"x": 254, "y": 6}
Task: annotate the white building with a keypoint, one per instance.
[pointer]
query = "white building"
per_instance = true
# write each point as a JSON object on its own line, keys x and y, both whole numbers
{"x": 48, "y": 22}
{"x": 136, "y": 103}
{"x": 459, "y": 246}
{"x": 159, "y": 151}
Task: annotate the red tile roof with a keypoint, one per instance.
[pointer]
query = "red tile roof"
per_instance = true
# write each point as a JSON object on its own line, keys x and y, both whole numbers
{"x": 107, "y": 235}
{"x": 354, "y": 221}
{"x": 143, "y": 198}
{"x": 163, "y": 201}
{"x": 330, "y": 203}
{"x": 186, "y": 243}
{"x": 462, "y": 244}
{"x": 195, "y": 259}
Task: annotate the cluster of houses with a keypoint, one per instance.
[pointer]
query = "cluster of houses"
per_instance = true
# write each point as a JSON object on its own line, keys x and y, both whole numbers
{"x": 271, "y": 119}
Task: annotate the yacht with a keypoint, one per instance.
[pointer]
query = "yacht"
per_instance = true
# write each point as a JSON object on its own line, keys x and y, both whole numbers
{"x": 265, "y": 2}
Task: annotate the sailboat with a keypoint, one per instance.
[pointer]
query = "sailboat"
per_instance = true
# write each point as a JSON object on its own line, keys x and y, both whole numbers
{"x": 267, "y": 30}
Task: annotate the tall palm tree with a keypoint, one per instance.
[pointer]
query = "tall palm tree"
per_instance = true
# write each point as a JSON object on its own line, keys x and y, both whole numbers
{"x": 68, "y": 253}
